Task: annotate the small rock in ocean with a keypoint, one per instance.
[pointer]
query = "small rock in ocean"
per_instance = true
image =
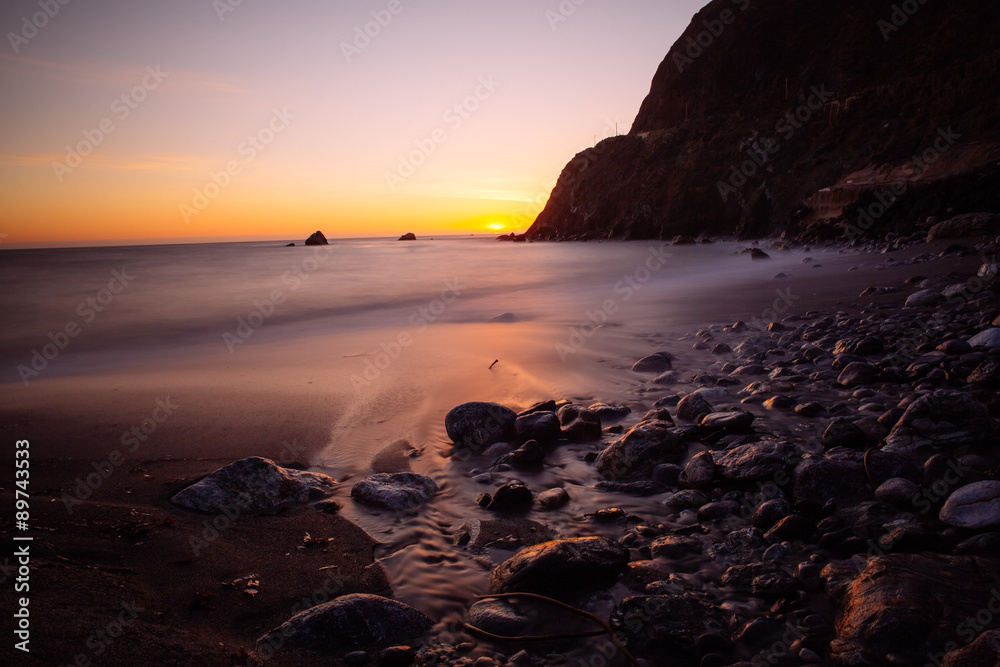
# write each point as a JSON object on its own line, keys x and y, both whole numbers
{"x": 857, "y": 374}
{"x": 675, "y": 547}
{"x": 540, "y": 426}
{"x": 395, "y": 491}
{"x": 529, "y": 455}
{"x": 609, "y": 412}
{"x": 897, "y": 491}
{"x": 810, "y": 410}
{"x": 317, "y": 238}
{"x": 989, "y": 338}
{"x": 252, "y": 485}
{"x": 757, "y": 253}
{"x": 580, "y": 424}
{"x": 924, "y": 299}
{"x": 654, "y": 363}
{"x": 475, "y": 426}
{"x": 753, "y": 462}
{"x": 725, "y": 423}
{"x": 693, "y": 407}
{"x": 513, "y": 497}
{"x": 699, "y": 472}
{"x": 973, "y": 506}
{"x": 661, "y": 414}
{"x": 639, "y": 450}
{"x": 409, "y": 236}
{"x": 945, "y": 419}
{"x": 553, "y": 498}
{"x": 562, "y": 568}
{"x": 779, "y": 403}
{"x": 351, "y": 622}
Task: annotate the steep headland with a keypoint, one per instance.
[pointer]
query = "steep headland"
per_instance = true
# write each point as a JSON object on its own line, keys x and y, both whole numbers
{"x": 810, "y": 119}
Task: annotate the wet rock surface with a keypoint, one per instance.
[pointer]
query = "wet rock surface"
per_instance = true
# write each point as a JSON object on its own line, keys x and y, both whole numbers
{"x": 561, "y": 568}
{"x": 251, "y": 485}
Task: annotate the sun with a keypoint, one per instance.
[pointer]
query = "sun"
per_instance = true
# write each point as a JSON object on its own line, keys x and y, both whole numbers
{"x": 496, "y": 226}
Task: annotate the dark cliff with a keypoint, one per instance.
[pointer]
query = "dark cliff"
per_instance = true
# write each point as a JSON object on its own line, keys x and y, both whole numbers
{"x": 774, "y": 117}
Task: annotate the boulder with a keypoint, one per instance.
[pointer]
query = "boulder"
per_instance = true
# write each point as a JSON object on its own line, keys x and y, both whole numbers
{"x": 989, "y": 338}
{"x": 399, "y": 492}
{"x": 910, "y": 606}
{"x": 975, "y": 506}
{"x": 693, "y": 407}
{"x": 944, "y": 419}
{"x": 986, "y": 374}
{"x": 753, "y": 462}
{"x": 553, "y": 498}
{"x": 927, "y": 298}
{"x": 351, "y": 622}
{"x": 857, "y": 374}
{"x": 409, "y": 236}
{"x": 540, "y": 426}
{"x": 609, "y": 413}
{"x": 675, "y": 547}
{"x": 317, "y": 238}
{"x": 699, "y": 472}
{"x": 640, "y": 449}
{"x": 580, "y": 424}
{"x": 475, "y": 426}
{"x": 513, "y": 497}
{"x": 252, "y": 485}
{"x": 562, "y": 568}
{"x": 726, "y": 423}
{"x": 654, "y": 363}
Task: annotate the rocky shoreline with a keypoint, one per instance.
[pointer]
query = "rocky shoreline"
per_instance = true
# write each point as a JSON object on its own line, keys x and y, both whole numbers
{"x": 816, "y": 489}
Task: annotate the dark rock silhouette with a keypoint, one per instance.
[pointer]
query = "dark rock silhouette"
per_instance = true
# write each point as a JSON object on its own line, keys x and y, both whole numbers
{"x": 409, "y": 236}
{"x": 773, "y": 117}
{"x": 317, "y": 239}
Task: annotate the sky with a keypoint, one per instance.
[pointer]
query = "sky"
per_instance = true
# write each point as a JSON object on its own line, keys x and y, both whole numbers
{"x": 212, "y": 119}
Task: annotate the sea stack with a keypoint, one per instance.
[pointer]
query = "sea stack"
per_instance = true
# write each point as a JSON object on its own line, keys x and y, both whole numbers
{"x": 317, "y": 239}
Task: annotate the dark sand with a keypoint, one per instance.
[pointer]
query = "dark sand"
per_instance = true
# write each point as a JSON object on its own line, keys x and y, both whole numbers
{"x": 126, "y": 544}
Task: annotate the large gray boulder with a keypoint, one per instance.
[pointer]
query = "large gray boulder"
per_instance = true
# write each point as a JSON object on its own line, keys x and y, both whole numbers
{"x": 475, "y": 426}
{"x": 974, "y": 506}
{"x": 944, "y": 419}
{"x": 252, "y": 485}
{"x": 644, "y": 446}
{"x": 562, "y": 568}
{"x": 356, "y": 622}
{"x": 753, "y": 462}
{"x": 399, "y": 492}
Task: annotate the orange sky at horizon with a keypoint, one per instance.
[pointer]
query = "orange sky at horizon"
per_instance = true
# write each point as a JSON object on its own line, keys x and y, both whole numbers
{"x": 180, "y": 121}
